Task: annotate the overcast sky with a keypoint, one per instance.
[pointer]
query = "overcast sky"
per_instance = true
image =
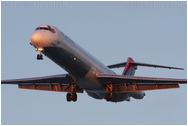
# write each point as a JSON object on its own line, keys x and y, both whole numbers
{"x": 149, "y": 32}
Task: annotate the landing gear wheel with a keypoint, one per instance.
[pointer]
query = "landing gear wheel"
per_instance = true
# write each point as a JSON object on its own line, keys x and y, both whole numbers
{"x": 69, "y": 97}
{"x": 39, "y": 57}
{"x": 74, "y": 97}
{"x": 107, "y": 96}
{"x": 113, "y": 96}
{"x": 110, "y": 96}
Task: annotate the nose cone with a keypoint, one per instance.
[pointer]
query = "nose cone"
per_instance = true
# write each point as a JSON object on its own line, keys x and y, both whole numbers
{"x": 41, "y": 39}
{"x": 36, "y": 39}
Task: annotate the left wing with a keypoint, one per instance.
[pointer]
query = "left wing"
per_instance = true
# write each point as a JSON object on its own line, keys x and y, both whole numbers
{"x": 124, "y": 83}
{"x": 58, "y": 83}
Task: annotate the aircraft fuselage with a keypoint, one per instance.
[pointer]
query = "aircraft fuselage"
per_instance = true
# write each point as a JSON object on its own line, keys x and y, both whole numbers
{"x": 82, "y": 66}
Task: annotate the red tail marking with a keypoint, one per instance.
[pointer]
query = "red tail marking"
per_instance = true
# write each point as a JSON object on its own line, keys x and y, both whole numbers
{"x": 128, "y": 65}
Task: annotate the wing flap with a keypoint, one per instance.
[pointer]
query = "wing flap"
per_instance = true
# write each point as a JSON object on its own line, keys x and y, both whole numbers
{"x": 123, "y": 88}
{"x": 50, "y": 87}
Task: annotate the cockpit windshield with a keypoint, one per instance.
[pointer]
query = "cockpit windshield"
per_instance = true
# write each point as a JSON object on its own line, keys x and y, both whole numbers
{"x": 46, "y": 28}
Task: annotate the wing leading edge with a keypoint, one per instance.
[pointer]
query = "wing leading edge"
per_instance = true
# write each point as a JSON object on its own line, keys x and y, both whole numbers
{"x": 61, "y": 78}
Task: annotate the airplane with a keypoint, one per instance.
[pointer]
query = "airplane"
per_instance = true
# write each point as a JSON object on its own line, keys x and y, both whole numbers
{"x": 86, "y": 73}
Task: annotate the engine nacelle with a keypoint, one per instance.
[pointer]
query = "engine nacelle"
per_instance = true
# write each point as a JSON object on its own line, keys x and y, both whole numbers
{"x": 93, "y": 95}
{"x": 137, "y": 95}
{"x": 119, "y": 97}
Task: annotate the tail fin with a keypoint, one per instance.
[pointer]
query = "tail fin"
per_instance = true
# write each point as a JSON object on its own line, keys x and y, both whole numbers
{"x": 129, "y": 68}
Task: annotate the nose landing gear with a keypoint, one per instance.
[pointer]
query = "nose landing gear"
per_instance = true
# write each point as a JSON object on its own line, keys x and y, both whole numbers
{"x": 39, "y": 56}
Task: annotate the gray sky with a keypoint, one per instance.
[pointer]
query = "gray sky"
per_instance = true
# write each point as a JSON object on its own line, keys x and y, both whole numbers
{"x": 149, "y": 32}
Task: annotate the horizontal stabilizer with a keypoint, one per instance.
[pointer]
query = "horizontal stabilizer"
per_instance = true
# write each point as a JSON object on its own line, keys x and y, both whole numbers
{"x": 142, "y": 64}
{"x": 118, "y": 65}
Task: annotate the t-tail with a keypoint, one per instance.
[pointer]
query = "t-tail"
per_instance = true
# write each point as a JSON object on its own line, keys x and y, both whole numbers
{"x": 129, "y": 68}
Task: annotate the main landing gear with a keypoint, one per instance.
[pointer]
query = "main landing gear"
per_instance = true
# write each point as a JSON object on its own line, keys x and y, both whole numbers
{"x": 110, "y": 93}
{"x": 39, "y": 56}
{"x": 71, "y": 97}
{"x": 110, "y": 96}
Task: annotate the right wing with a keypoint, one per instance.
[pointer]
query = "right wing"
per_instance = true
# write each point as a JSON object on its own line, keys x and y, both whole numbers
{"x": 58, "y": 83}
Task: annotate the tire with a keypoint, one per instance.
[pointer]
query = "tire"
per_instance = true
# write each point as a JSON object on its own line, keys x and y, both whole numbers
{"x": 74, "y": 97}
{"x": 41, "y": 57}
{"x": 107, "y": 96}
{"x": 69, "y": 97}
{"x": 38, "y": 57}
{"x": 113, "y": 97}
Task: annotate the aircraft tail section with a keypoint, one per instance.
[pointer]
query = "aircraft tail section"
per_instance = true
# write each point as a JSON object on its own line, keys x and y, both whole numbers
{"x": 129, "y": 68}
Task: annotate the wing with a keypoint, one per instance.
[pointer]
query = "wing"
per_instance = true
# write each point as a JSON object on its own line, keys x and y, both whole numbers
{"x": 58, "y": 83}
{"x": 61, "y": 78}
{"x": 132, "y": 83}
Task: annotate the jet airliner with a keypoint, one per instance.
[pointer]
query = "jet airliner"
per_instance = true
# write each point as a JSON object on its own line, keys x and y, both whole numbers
{"x": 86, "y": 73}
